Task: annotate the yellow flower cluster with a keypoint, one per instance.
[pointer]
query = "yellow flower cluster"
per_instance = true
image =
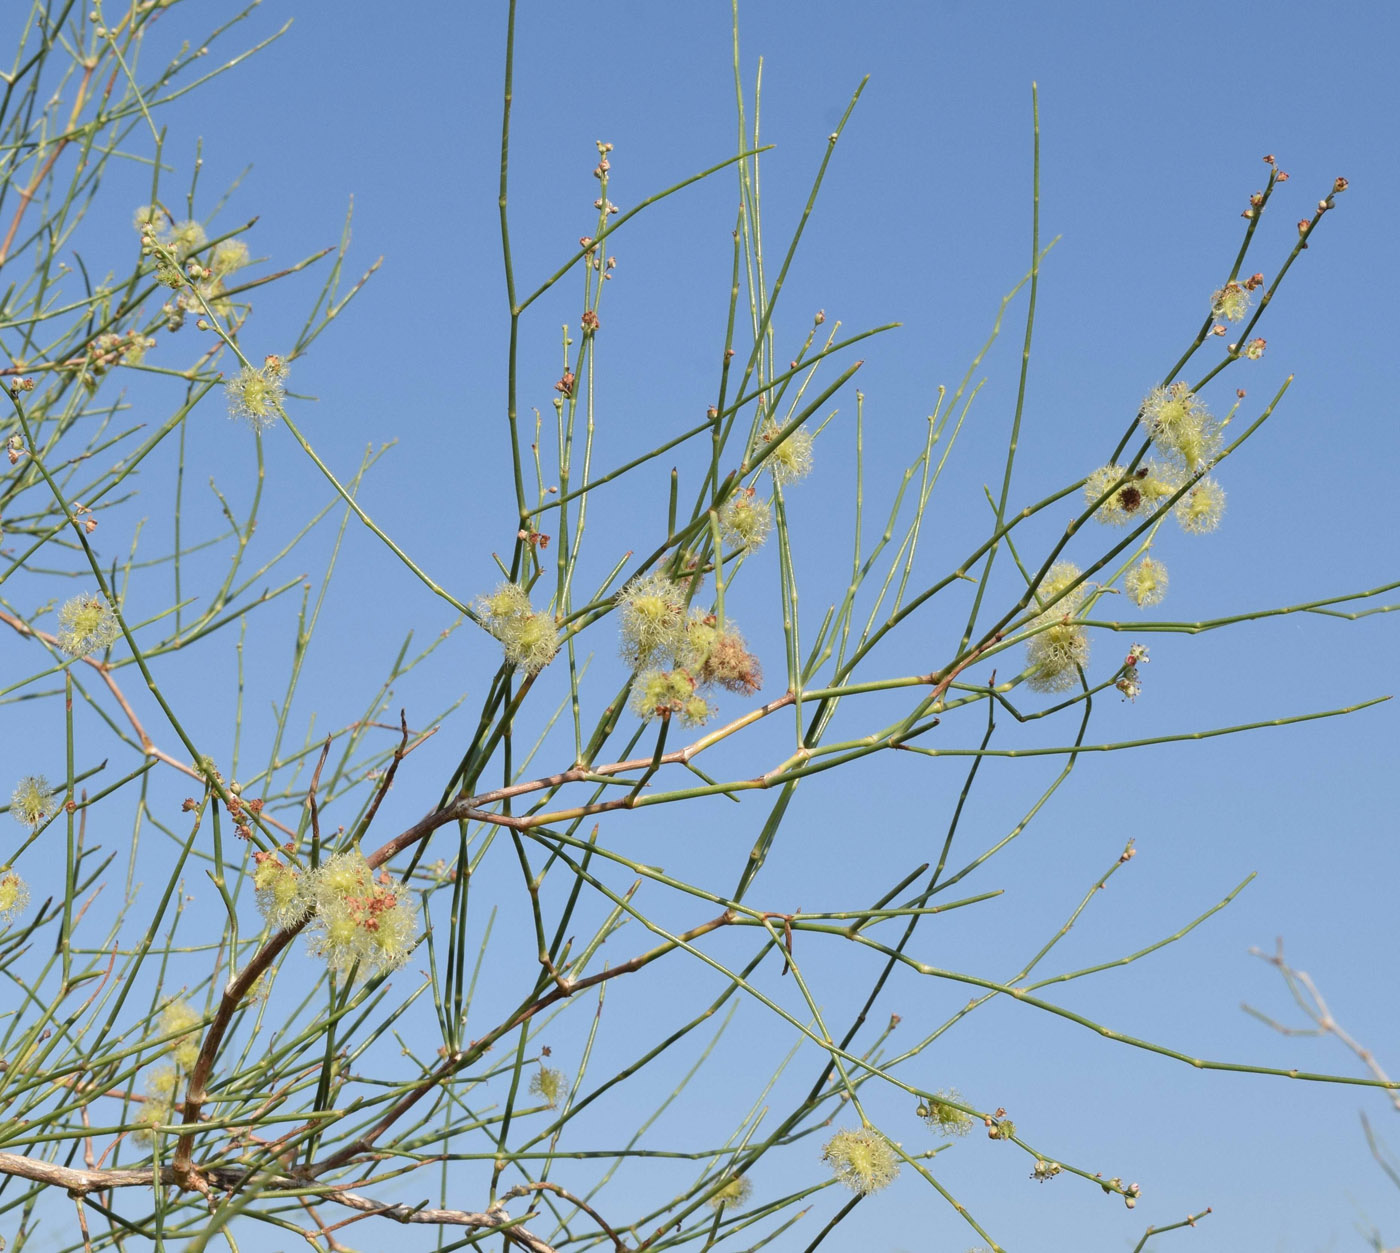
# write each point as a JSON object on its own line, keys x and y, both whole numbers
{"x": 356, "y": 916}
{"x": 1060, "y": 647}
{"x": 530, "y": 639}
{"x": 791, "y": 459}
{"x": 360, "y": 917}
{"x": 677, "y": 655}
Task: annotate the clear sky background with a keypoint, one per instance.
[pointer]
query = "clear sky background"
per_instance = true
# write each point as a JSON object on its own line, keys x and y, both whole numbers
{"x": 1154, "y": 120}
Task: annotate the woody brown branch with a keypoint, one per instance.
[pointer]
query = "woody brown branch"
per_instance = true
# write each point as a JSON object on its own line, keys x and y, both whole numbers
{"x": 190, "y": 1176}
{"x": 78, "y": 1183}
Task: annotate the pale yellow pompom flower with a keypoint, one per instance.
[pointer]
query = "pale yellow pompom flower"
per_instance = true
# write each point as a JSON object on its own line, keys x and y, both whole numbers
{"x": 733, "y": 1195}
{"x": 256, "y": 395}
{"x": 33, "y": 801}
{"x": 651, "y": 619}
{"x": 790, "y": 460}
{"x": 862, "y": 1159}
{"x": 87, "y": 624}
{"x": 1146, "y": 582}
{"x": 1200, "y": 510}
{"x": 182, "y": 1017}
{"x": 14, "y": 896}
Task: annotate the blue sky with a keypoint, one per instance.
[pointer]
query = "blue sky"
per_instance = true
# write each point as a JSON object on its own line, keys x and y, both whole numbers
{"x": 1154, "y": 120}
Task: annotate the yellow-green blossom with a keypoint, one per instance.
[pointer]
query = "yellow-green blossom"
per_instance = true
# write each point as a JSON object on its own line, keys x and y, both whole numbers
{"x": 1056, "y": 656}
{"x": 181, "y": 1017}
{"x": 228, "y": 256}
{"x": 1052, "y": 593}
{"x": 790, "y": 460}
{"x": 256, "y": 395}
{"x": 14, "y": 896}
{"x": 184, "y": 238}
{"x": 549, "y": 1085}
{"x": 943, "y": 1117}
{"x": 660, "y": 693}
{"x": 862, "y": 1159}
{"x": 1200, "y": 510}
{"x": 33, "y": 801}
{"x": 149, "y": 216}
{"x": 163, "y": 1081}
{"x": 698, "y": 640}
{"x": 1146, "y": 582}
{"x": 1135, "y": 498}
{"x": 744, "y": 519}
{"x": 1230, "y": 302}
{"x": 1060, "y": 648}
{"x": 530, "y": 639}
{"x": 734, "y": 1195}
{"x": 508, "y": 601}
{"x": 360, "y": 917}
{"x": 1181, "y": 426}
{"x": 86, "y": 624}
{"x": 158, "y": 1109}
{"x": 651, "y": 619}
{"x": 281, "y": 894}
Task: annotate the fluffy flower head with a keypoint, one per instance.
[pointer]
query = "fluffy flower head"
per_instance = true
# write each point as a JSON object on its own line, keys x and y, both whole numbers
{"x": 280, "y": 891}
{"x": 745, "y": 518}
{"x": 86, "y": 624}
{"x": 1231, "y": 302}
{"x": 730, "y": 665}
{"x": 149, "y": 217}
{"x": 360, "y": 918}
{"x": 255, "y": 395}
{"x": 1056, "y": 656}
{"x": 1146, "y": 582}
{"x": 1181, "y": 426}
{"x": 652, "y": 619}
{"x": 862, "y": 1159}
{"x": 1052, "y": 593}
{"x": 180, "y": 1016}
{"x": 549, "y": 1085}
{"x": 1200, "y": 510}
{"x": 184, "y": 238}
{"x": 33, "y": 801}
{"x": 660, "y": 693}
{"x": 14, "y": 896}
{"x": 790, "y": 460}
{"x": 1062, "y": 645}
{"x": 698, "y": 641}
{"x": 734, "y": 1195}
{"x": 228, "y": 256}
{"x": 1134, "y": 499}
{"x": 945, "y": 1118}
{"x": 530, "y": 639}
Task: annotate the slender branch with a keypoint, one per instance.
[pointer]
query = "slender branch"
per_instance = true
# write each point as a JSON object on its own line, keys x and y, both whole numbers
{"x": 78, "y": 1183}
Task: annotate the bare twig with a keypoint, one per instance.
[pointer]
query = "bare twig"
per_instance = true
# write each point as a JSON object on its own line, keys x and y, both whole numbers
{"x": 78, "y": 1183}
